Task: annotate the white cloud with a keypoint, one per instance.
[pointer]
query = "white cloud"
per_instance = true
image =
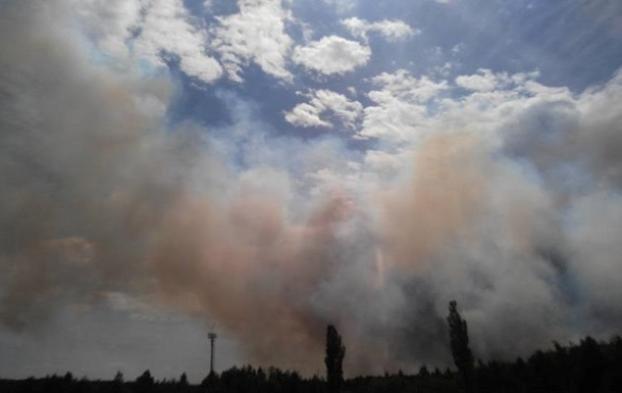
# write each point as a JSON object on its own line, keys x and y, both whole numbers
{"x": 148, "y": 30}
{"x": 332, "y": 55}
{"x": 256, "y": 33}
{"x": 399, "y": 109}
{"x": 404, "y": 106}
{"x": 392, "y": 30}
{"x": 151, "y": 29}
{"x": 396, "y": 120}
{"x": 402, "y": 85}
{"x": 166, "y": 28}
{"x": 327, "y": 103}
{"x": 484, "y": 80}
{"x": 444, "y": 70}
{"x": 342, "y": 6}
{"x": 306, "y": 115}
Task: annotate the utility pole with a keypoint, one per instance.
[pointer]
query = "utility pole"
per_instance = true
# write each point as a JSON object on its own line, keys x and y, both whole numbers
{"x": 212, "y": 337}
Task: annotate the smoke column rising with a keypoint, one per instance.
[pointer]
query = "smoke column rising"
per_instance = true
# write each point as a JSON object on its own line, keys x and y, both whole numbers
{"x": 99, "y": 196}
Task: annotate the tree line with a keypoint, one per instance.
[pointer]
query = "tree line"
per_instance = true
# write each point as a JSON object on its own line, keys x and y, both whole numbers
{"x": 589, "y": 366}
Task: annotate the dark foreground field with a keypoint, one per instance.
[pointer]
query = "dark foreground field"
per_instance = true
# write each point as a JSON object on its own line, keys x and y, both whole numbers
{"x": 587, "y": 367}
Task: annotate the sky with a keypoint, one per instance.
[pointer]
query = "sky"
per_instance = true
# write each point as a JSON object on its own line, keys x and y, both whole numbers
{"x": 262, "y": 168}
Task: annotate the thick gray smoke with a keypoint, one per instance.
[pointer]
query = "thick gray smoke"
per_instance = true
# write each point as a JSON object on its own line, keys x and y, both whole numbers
{"x": 519, "y": 217}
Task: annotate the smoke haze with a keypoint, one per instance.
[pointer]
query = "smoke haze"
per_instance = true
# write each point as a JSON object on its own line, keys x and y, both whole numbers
{"x": 508, "y": 201}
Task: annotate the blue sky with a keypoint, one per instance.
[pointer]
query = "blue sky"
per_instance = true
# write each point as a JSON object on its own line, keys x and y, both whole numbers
{"x": 570, "y": 44}
{"x": 266, "y": 167}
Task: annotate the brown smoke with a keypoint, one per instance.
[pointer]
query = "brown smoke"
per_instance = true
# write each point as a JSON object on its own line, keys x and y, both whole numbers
{"x": 445, "y": 193}
{"x": 100, "y": 195}
{"x": 100, "y": 201}
{"x": 252, "y": 271}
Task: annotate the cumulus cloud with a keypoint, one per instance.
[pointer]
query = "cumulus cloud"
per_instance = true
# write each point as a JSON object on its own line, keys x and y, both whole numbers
{"x": 332, "y": 55}
{"x": 392, "y": 30}
{"x": 158, "y": 30}
{"x": 166, "y": 30}
{"x": 327, "y": 103}
{"x": 153, "y": 30}
{"x": 255, "y": 34}
{"x": 399, "y": 108}
{"x": 484, "y": 80}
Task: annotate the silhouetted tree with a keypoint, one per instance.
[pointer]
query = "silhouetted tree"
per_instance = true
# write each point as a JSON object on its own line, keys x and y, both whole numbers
{"x": 591, "y": 365}
{"x": 145, "y": 378}
{"x": 117, "y": 383}
{"x": 615, "y": 378}
{"x": 459, "y": 342}
{"x": 144, "y": 383}
{"x": 211, "y": 381}
{"x": 423, "y": 372}
{"x": 335, "y": 352}
{"x": 183, "y": 380}
{"x": 118, "y": 377}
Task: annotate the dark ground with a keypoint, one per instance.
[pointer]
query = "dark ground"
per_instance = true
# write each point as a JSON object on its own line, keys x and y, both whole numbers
{"x": 587, "y": 367}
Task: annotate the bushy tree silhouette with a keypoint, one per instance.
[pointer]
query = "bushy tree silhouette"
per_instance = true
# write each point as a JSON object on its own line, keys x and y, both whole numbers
{"x": 211, "y": 381}
{"x": 591, "y": 365}
{"x": 118, "y": 377}
{"x": 183, "y": 380}
{"x": 144, "y": 383}
{"x": 335, "y": 352}
{"x": 459, "y": 342}
{"x": 145, "y": 378}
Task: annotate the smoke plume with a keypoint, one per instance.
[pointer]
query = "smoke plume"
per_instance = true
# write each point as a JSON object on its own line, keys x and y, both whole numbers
{"x": 519, "y": 221}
